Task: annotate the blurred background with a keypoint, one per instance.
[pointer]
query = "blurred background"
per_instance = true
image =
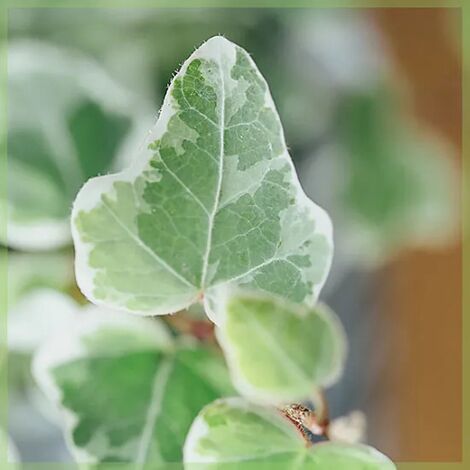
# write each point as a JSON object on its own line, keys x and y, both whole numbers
{"x": 370, "y": 101}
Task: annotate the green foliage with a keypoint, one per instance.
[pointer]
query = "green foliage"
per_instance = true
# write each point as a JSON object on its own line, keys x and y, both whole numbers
{"x": 214, "y": 200}
{"x": 211, "y": 206}
{"x": 280, "y": 352}
{"x": 130, "y": 392}
{"x": 231, "y": 434}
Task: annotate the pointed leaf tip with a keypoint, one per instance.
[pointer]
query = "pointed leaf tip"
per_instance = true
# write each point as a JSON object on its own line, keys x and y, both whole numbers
{"x": 213, "y": 200}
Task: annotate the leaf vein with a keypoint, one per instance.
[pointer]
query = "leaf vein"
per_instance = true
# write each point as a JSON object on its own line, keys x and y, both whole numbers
{"x": 142, "y": 245}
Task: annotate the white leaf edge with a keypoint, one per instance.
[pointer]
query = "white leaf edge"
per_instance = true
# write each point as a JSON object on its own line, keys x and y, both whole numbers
{"x": 199, "y": 429}
{"x": 251, "y": 392}
{"x": 66, "y": 346}
{"x": 91, "y": 192}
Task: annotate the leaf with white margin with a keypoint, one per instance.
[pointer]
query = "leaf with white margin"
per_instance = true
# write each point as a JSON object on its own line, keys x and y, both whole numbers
{"x": 279, "y": 352}
{"x": 213, "y": 200}
{"x": 128, "y": 391}
{"x": 67, "y": 122}
{"x": 232, "y": 434}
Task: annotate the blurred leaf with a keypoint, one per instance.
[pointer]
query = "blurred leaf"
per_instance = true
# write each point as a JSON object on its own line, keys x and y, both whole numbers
{"x": 346, "y": 47}
{"x": 399, "y": 187}
{"x": 28, "y": 272}
{"x": 67, "y": 122}
{"x": 279, "y": 352}
{"x": 231, "y": 434}
{"x": 128, "y": 392}
{"x": 37, "y": 305}
{"x": 213, "y": 200}
{"x": 36, "y": 317}
{"x": 387, "y": 183}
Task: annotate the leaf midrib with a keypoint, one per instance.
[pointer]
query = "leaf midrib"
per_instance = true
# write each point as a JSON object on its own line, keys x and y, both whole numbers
{"x": 220, "y": 177}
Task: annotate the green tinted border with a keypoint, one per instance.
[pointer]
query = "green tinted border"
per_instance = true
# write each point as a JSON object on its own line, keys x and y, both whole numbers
{"x": 3, "y": 228}
{"x": 464, "y": 5}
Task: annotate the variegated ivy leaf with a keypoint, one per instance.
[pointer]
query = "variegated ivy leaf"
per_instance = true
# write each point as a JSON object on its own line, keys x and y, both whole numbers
{"x": 277, "y": 351}
{"x": 129, "y": 393}
{"x": 67, "y": 121}
{"x": 232, "y": 434}
{"x": 213, "y": 199}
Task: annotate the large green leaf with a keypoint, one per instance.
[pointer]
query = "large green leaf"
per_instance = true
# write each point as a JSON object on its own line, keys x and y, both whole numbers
{"x": 279, "y": 352}
{"x": 128, "y": 391}
{"x": 67, "y": 121}
{"x": 213, "y": 199}
{"x": 233, "y": 434}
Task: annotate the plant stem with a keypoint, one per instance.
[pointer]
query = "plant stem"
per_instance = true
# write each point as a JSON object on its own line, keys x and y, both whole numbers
{"x": 203, "y": 330}
{"x": 321, "y": 410}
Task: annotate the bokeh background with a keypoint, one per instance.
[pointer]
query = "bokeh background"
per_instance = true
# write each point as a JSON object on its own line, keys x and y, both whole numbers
{"x": 371, "y": 105}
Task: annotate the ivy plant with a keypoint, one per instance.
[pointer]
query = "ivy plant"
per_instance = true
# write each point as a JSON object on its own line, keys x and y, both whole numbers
{"x": 213, "y": 200}
{"x": 210, "y": 214}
